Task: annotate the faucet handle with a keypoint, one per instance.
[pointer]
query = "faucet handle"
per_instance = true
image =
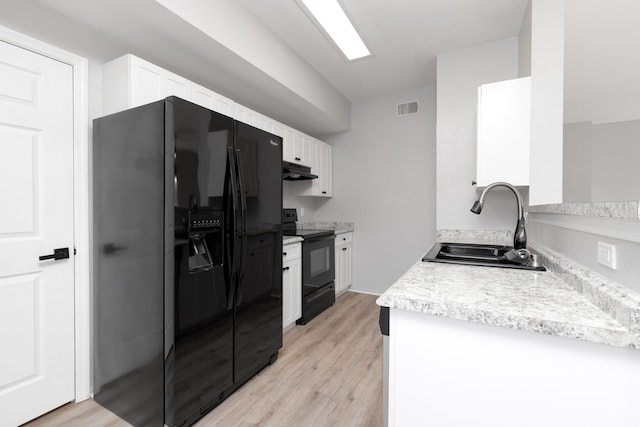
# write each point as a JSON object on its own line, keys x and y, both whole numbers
{"x": 519, "y": 256}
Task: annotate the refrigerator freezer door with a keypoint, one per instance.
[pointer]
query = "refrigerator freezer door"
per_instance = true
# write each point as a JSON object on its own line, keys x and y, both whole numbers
{"x": 203, "y": 362}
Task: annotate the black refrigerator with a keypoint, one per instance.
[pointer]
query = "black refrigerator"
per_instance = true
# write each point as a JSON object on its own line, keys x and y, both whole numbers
{"x": 187, "y": 220}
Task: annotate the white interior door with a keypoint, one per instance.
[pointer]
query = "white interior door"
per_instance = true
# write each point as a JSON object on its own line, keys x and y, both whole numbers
{"x": 36, "y": 217}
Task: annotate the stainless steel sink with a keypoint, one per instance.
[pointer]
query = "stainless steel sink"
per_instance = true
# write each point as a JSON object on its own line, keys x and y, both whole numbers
{"x": 475, "y": 254}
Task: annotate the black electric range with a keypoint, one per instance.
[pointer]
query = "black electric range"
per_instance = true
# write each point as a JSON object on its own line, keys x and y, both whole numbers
{"x": 318, "y": 266}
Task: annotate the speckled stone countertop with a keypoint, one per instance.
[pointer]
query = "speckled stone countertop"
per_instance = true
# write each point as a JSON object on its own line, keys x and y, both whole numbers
{"x": 338, "y": 227}
{"x": 540, "y": 302}
{"x": 620, "y": 210}
{"x": 291, "y": 239}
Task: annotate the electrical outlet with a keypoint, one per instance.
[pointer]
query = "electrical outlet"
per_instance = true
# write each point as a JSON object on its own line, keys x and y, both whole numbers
{"x": 607, "y": 255}
{"x": 301, "y": 211}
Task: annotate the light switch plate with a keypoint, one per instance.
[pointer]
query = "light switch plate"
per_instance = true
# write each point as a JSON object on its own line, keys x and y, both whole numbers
{"x": 607, "y": 255}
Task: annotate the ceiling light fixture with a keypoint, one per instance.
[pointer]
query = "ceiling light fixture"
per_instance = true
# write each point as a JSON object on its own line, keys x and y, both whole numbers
{"x": 335, "y": 22}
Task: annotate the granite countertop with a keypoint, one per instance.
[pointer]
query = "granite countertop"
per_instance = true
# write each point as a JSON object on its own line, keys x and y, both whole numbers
{"x": 540, "y": 302}
{"x": 286, "y": 240}
{"x": 338, "y": 227}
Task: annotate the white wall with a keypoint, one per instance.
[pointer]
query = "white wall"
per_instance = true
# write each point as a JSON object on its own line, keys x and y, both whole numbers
{"x": 601, "y": 161}
{"x": 384, "y": 175}
{"x": 306, "y": 206}
{"x": 577, "y": 160}
{"x": 459, "y": 75}
{"x": 565, "y": 234}
{"x": 524, "y": 45}
{"x": 616, "y": 156}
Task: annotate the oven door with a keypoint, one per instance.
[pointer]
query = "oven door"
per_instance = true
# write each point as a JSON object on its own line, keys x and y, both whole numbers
{"x": 318, "y": 263}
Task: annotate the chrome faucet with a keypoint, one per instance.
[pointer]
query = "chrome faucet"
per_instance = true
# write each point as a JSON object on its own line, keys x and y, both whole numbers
{"x": 520, "y": 235}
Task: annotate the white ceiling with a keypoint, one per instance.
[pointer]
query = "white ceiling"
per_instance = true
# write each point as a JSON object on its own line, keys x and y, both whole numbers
{"x": 404, "y": 37}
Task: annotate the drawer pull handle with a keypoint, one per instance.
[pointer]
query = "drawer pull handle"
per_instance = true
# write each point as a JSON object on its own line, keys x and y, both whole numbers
{"x": 344, "y": 249}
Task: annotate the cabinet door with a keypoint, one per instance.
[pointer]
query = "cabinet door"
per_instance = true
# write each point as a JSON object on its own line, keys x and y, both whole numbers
{"x": 340, "y": 269}
{"x": 504, "y": 123}
{"x": 146, "y": 82}
{"x": 325, "y": 168}
{"x": 287, "y": 291}
{"x": 299, "y": 154}
{"x": 151, "y": 83}
{"x": 245, "y": 114}
{"x": 174, "y": 85}
{"x": 209, "y": 99}
{"x": 322, "y": 166}
{"x": 348, "y": 265}
{"x": 287, "y": 145}
{"x": 291, "y": 292}
{"x": 280, "y": 130}
{"x": 260, "y": 121}
{"x": 296, "y": 287}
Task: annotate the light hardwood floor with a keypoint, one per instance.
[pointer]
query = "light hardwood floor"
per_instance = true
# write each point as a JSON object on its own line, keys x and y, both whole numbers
{"x": 328, "y": 373}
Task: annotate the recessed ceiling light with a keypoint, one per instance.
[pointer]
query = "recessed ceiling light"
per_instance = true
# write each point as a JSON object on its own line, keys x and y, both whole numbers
{"x": 332, "y": 18}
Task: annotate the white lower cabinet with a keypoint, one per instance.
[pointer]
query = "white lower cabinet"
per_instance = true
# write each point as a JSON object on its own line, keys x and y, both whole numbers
{"x": 291, "y": 283}
{"x": 344, "y": 245}
{"x": 447, "y": 372}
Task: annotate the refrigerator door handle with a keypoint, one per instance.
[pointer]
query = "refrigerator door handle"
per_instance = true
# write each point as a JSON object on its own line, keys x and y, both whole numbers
{"x": 243, "y": 212}
{"x": 234, "y": 201}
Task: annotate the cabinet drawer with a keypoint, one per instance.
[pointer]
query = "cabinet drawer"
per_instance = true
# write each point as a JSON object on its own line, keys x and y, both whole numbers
{"x": 292, "y": 251}
{"x": 343, "y": 239}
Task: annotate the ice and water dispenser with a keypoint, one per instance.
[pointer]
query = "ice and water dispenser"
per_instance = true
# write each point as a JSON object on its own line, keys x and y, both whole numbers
{"x": 205, "y": 240}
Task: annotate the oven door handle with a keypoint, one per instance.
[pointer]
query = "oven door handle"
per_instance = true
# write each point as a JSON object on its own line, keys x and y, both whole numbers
{"x": 318, "y": 239}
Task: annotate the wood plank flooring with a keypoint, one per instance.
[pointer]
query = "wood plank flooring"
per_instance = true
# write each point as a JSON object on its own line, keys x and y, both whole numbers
{"x": 328, "y": 373}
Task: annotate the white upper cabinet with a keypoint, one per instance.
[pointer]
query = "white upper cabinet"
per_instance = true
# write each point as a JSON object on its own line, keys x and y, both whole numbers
{"x": 209, "y": 99}
{"x": 504, "y": 132}
{"x": 320, "y": 157}
{"x": 246, "y": 115}
{"x": 296, "y": 147}
{"x": 129, "y": 82}
{"x": 325, "y": 169}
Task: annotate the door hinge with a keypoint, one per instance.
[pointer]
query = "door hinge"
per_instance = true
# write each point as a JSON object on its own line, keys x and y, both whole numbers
{"x": 74, "y": 251}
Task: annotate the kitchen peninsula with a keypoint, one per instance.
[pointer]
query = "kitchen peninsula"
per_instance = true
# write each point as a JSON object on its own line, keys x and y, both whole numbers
{"x": 489, "y": 346}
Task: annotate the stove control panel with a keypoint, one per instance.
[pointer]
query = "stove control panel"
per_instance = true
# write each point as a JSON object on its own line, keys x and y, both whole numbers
{"x": 289, "y": 215}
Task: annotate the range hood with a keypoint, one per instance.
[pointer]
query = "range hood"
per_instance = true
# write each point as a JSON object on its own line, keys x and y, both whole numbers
{"x": 296, "y": 172}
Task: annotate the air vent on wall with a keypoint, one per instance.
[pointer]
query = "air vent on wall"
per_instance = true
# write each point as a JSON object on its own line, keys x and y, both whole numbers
{"x": 408, "y": 108}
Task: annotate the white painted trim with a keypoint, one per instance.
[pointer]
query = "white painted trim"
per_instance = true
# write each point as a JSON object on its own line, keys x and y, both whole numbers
{"x": 80, "y": 200}
{"x": 615, "y": 228}
{"x": 358, "y": 291}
